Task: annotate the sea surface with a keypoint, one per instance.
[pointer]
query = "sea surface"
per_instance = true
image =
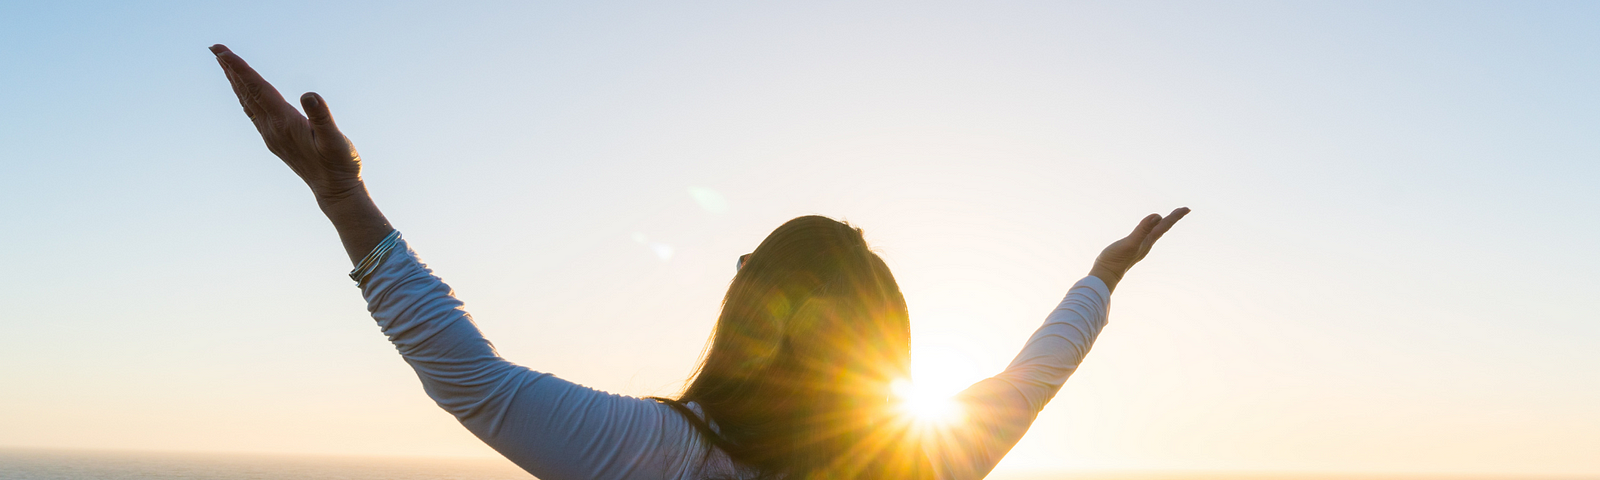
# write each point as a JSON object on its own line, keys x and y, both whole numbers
{"x": 30, "y": 464}
{"x": 85, "y": 465}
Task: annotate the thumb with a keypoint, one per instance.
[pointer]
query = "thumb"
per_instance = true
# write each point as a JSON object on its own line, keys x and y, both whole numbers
{"x": 317, "y": 112}
{"x": 1145, "y": 226}
{"x": 322, "y": 126}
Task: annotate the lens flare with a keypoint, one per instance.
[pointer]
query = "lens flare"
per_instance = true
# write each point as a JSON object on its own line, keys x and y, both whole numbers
{"x": 925, "y": 405}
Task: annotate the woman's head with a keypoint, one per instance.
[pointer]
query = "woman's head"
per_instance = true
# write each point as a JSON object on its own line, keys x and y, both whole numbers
{"x": 813, "y": 330}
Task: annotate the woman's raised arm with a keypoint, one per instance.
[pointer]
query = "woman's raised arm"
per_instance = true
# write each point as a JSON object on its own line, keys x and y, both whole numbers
{"x": 550, "y": 427}
{"x": 315, "y": 150}
{"x": 997, "y": 411}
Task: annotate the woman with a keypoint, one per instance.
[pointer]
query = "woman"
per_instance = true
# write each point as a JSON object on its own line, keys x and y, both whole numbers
{"x": 797, "y": 382}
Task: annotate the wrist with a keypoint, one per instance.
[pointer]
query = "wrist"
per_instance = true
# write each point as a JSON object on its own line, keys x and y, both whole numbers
{"x": 332, "y": 199}
{"x": 360, "y": 224}
{"x": 353, "y": 208}
{"x": 1106, "y": 275}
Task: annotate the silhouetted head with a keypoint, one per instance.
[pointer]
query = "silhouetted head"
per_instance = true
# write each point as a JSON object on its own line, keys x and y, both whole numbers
{"x": 812, "y": 332}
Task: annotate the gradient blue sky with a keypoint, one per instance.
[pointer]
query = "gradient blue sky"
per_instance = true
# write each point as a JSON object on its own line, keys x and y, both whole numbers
{"x": 1391, "y": 265}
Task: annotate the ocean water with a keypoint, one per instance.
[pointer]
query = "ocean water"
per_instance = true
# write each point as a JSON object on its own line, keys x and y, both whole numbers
{"x": 86, "y": 465}
{"x": 28, "y": 464}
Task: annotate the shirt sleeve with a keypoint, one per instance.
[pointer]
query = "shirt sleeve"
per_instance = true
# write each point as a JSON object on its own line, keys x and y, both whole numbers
{"x": 996, "y": 412}
{"x": 550, "y": 427}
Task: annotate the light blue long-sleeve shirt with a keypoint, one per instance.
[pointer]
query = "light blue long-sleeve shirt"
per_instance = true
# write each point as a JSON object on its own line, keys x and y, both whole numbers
{"x": 557, "y": 430}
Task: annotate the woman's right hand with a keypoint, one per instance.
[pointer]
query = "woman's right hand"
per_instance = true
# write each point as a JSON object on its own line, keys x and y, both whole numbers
{"x": 1117, "y": 258}
{"x": 312, "y": 147}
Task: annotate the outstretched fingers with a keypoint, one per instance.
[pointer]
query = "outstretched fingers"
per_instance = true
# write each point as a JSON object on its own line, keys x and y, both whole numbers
{"x": 1144, "y": 228}
{"x": 238, "y": 90}
{"x": 256, "y": 95}
{"x": 1161, "y": 227}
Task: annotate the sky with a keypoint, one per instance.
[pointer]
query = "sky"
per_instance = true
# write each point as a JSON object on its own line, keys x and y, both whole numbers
{"x": 1390, "y": 265}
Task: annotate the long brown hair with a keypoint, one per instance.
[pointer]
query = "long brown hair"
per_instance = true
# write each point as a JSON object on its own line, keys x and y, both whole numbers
{"x": 813, "y": 330}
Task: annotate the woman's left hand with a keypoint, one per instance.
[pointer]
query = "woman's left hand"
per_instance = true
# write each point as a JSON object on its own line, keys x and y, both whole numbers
{"x": 312, "y": 147}
{"x": 315, "y": 150}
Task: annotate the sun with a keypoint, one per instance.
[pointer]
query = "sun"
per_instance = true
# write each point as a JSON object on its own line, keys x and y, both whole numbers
{"x": 940, "y": 369}
{"x": 925, "y": 405}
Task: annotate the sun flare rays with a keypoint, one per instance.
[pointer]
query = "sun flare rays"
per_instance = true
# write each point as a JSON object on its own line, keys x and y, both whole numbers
{"x": 925, "y": 405}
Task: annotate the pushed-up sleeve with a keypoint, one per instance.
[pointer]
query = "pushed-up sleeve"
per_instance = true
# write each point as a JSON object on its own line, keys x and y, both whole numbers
{"x": 996, "y": 412}
{"x": 550, "y": 427}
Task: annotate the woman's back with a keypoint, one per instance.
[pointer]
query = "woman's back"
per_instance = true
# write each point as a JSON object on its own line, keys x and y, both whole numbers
{"x": 557, "y": 429}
